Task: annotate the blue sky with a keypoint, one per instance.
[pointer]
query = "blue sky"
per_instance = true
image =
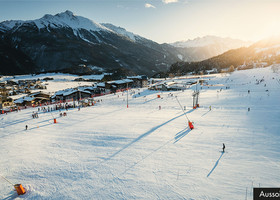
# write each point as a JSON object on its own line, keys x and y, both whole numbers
{"x": 163, "y": 20}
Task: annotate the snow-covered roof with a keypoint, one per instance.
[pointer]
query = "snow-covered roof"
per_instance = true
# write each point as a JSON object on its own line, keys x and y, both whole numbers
{"x": 70, "y": 91}
{"x": 22, "y": 99}
{"x": 123, "y": 81}
{"x": 100, "y": 84}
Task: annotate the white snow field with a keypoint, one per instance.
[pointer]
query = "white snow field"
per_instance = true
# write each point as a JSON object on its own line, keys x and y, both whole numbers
{"x": 109, "y": 151}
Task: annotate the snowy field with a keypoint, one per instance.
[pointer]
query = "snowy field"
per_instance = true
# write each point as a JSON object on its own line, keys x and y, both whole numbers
{"x": 109, "y": 151}
{"x": 60, "y": 81}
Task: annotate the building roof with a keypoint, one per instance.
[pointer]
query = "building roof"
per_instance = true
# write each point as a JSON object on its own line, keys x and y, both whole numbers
{"x": 70, "y": 91}
{"x": 23, "y": 99}
{"x": 118, "y": 82}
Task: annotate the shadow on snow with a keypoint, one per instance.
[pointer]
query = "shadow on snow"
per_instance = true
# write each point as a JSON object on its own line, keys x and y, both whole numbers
{"x": 144, "y": 135}
{"x": 181, "y": 134}
{"x": 216, "y": 164}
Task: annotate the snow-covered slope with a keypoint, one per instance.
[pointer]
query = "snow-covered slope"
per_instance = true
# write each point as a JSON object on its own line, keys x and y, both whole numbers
{"x": 121, "y": 31}
{"x": 64, "y": 19}
{"x": 211, "y": 40}
{"x": 108, "y": 151}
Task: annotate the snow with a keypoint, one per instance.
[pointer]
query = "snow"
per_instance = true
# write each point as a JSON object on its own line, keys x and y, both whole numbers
{"x": 109, "y": 151}
{"x": 64, "y": 19}
{"x": 258, "y": 50}
{"x": 180, "y": 56}
{"x": 120, "y": 81}
{"x": 60, "y": 82}
{"x": 210, "y": 40}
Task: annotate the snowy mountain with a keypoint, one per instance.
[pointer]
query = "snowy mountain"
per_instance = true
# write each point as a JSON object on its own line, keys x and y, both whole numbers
{"x": 61, "y": 20}
{"x": 122, "y": 31}
{"x": 65, "y": 42}
{"x": 208, "y": 46}
{"x": 260, "y": 54}
{"x": 228, "y": 43}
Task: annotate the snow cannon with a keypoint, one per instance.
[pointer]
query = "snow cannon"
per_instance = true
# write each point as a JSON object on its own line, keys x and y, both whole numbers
{"x": 20, "y": 190}
{"x": 191, "y": 125}
{"x": 54, "y": 121}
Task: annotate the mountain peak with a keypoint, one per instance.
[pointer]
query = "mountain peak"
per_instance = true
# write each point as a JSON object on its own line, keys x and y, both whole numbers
{"x": 64, "y": 19}
{"x": 66, "y": 14}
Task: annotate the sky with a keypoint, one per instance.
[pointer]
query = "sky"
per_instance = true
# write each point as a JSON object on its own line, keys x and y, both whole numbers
{"x": 164, "y": 21}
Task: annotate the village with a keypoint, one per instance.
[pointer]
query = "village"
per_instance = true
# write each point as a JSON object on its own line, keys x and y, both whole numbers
{"x": 15, "y": 95}
{"x": 21, "y": 94}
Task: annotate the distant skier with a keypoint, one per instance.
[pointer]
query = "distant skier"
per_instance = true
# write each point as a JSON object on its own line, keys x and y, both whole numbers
{"x": 248, "y": 109}
{"x": 26, "y": 127}
{"x": 224, "y": 147}
{"x": 209, "y": 107}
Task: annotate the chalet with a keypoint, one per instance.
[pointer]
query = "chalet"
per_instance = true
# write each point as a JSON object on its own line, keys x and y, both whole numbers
{"x": 6, "y": 103}
{"x": 40, "y": 94}
{"x": 118, "y": 84}
{"x": 139, "y": 81}
{"x": 35, "y": 98}
{"x": 72, "y": 93}
{"x": 25, "y": 101}
{"x": 168, "y": 86}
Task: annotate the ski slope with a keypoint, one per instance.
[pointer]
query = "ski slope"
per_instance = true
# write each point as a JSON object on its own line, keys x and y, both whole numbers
{"x": 109, "y": 151}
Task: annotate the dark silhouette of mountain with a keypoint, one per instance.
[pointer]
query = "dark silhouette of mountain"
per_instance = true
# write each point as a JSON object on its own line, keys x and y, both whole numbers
{"x": 64, "y": 41}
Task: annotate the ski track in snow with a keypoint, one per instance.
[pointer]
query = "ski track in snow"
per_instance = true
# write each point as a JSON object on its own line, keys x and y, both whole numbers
{"x": 108, "y": 151}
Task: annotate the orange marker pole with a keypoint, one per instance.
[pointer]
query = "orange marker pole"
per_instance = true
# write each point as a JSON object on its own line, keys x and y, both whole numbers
{"x": 20, "y": 190}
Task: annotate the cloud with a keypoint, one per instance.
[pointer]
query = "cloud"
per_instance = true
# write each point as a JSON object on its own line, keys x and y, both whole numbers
{"x": 147, "y": 5}
{"x": 169, "y": 1}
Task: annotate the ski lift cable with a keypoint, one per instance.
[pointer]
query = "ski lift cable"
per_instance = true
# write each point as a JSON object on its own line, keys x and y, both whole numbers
{"x": 182, "y": 108}
{"x": 7, "y": 180}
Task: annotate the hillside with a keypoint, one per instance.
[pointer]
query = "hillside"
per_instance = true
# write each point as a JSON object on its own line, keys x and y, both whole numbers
{"x": 202, "y": 48}
{"x": 74, "y": 44}
{"x": 260, "y": 54}
{"x": 109, "y": 151}
{"x": 65, "y": 41}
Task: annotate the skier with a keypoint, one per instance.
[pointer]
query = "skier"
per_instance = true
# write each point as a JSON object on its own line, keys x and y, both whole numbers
{"x": 209, "y": 107}
{"x": 26, "y": 127}
{"x": 224, "y": 147}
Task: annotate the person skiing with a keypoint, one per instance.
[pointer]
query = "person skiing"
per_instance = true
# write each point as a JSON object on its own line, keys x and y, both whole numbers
{"x": 26, "y": 127}
{"x": 209, "y": 107}
{"x": 224, "y": 147}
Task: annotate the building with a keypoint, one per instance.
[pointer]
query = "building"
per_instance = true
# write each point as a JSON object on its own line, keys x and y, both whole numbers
{"x": 71, "y": 94}
{"x": 139, "y": 81}
{"x": 116, "y": 85}
{"x": 32, "y": 99}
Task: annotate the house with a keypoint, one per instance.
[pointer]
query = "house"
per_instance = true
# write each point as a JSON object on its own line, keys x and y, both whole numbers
{"x": 25, "y": 101}
{"x": 35, "y": 98}
{"x": 72, "y": 93}
{"x": 116, "y": 85}
{"x": 6, "y": 104}
{"x": 168, "y": 86}
{"x": 40, "y": 94}
{"x": 139, "y": 81}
